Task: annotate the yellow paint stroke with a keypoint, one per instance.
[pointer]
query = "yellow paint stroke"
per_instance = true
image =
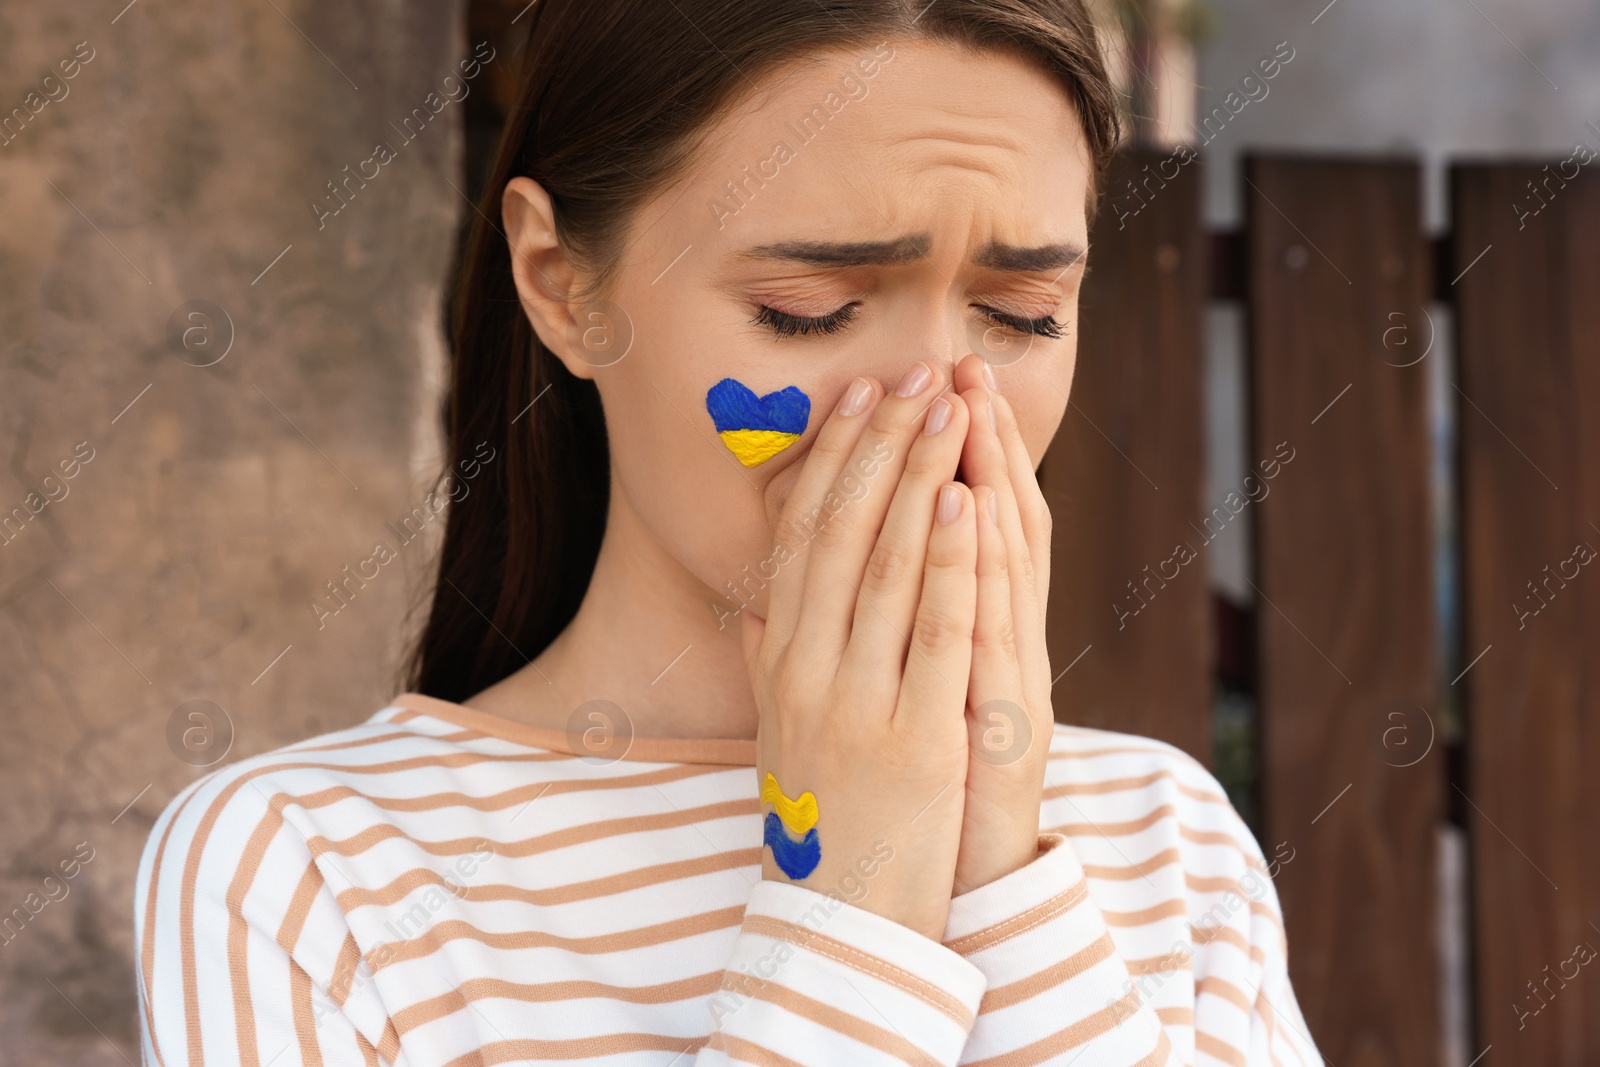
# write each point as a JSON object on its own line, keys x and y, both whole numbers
{"x": 754, "y": 447}
{"x": 798, "y": 815}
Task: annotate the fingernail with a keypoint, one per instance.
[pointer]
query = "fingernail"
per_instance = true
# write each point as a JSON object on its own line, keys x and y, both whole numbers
{"x": 949, "y": 508}
{"x": 988, "y": 375}
{"x": 855, "y": 398}
{"x": 938, "y": 416}
{"x": 992, "y": 424}
{"x": 915, "y": 380}
{"x": 994, "y": 508}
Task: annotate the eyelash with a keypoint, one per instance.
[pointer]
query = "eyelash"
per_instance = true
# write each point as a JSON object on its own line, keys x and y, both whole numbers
{"x": 784, "y": 324}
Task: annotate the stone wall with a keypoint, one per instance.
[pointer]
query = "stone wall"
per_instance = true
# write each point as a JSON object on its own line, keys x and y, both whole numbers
{"x": 213, "y": 397}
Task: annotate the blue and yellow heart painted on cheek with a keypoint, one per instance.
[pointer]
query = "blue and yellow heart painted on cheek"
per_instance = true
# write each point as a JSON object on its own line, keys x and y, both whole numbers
{"x": 756, "y": 428}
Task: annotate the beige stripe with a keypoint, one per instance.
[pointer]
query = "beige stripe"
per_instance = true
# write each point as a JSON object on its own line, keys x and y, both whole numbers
{"x": 1043, "y": 981}
{"x": 1167, "y": 909}
{"x": 1263, "y": 910}
{"x": 868, "y": 964}
{"x": 362, "y": 742}
{"x": 244, "y": 1016}
{"x": 1162, "y": 1053}
{"x": 1149, "y": 819}
{"x": 1182, "y": 1016}
{"x": 748, "y": 1051}
{"x": 305, "y": 1026}
{"x": 1069, "y": 1037}
{"x": 1219, "y": 987}
{"x": 1198, "y": 883}
{"x": 147, "y": 951}
{"x": 1267, "y": 1022}
{"x": 574, "y": 892}
{"x": 454, "y": 737}
{"x": 294, "y": 919}
{"x": 387, "y": 955}
{"x": 1139, "y": 870}
{"x": 1204, "y": 935}
{"x": 508, "y": 798}
{"x": 1173, "y": 961}
{"x": 1270, "y": 1018}
{"x": 531, "y": 846}
{"x": 458, "y": 999}
{"x": 571, "y": 1048}
{"x": 1213, "y": 884}
{"x": 703, "y": 750}
{"x": 344, "y": 970}
{"x": 389, "y": 1042}
{"x": 1119, "y": 785}
{"x": 1127, "y": 750}
{"x": 835, "y": 1019}
{"x": 1219, "y": 1049}
{"x": 1021, "y": 923}
{"x": 368, "y": 1054}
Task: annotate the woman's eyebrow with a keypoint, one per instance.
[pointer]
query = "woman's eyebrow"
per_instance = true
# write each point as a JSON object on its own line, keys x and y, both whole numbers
{"x": 994, "y": 255}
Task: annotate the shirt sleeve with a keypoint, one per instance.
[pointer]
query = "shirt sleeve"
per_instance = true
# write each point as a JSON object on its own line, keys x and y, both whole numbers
{"x": 815, "y": 980}
{"x": 1057, "y": 991}
{"x": 267, "y": 963}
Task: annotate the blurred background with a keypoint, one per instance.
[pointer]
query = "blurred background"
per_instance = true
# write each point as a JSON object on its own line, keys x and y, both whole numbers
{"x": 1341, "y": 342}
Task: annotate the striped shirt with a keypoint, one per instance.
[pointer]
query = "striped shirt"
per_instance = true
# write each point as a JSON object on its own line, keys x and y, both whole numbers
{"x": 441, "y": 886}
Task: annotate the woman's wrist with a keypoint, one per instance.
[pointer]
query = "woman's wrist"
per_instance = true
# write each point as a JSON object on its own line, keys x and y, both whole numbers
{"x": 1015, "y": 851}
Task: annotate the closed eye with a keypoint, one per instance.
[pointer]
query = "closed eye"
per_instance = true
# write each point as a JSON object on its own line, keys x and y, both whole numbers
{"x": 784, "y": 324}
{"x": 1044, "y": 326}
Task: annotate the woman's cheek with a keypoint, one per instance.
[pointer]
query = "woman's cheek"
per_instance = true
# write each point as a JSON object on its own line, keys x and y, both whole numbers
{"x": 1039, "y": 400}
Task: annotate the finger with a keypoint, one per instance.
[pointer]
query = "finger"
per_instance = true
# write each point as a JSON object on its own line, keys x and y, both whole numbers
{"x": 933, "y": 689}
{"x": 830, "y": 451}
{"x": 986, "y": 462}
{"x": 1000, "y": 729}
{"x": 853, "y": 511}
{"x": 984, "y": 458}
{"x": 1032, "y": 528}
{"x": 1032, "y": 507}
{"x": 890, "y": 584}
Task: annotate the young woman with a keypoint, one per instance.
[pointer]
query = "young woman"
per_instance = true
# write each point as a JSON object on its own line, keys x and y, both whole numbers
{"x": 729, "y": 735}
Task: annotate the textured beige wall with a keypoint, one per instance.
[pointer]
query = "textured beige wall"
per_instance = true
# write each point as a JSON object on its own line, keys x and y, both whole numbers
{"x": 180, "y": 163}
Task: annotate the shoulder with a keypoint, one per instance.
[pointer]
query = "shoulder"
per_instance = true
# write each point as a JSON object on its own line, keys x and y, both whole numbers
{"x": 230, "y": 867}
{"x": 231, "y": 816}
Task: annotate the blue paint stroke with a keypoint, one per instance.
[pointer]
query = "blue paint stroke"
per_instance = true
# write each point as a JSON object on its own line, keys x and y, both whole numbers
{"x": 735, "y": 406}
{"x": 795, "y": 858}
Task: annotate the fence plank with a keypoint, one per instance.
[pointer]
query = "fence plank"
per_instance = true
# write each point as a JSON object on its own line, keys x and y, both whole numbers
{"x": 1527, "y": 402}
{"x": 1124, "y": 473}
{"x": 1351, "y": 781}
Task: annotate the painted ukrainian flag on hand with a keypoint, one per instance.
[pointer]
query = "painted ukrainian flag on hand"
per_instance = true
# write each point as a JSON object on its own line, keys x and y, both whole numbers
{"x": 756, "y": 428}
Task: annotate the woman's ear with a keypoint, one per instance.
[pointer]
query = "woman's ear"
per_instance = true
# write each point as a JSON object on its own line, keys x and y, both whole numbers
{"x": 539, "y": 265}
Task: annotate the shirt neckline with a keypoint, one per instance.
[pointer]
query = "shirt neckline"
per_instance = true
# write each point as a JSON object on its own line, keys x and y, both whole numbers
{"x": 730, "y": 751}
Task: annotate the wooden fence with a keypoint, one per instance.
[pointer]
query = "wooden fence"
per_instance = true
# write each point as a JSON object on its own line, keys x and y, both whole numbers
{"x": 1369, "y": 740}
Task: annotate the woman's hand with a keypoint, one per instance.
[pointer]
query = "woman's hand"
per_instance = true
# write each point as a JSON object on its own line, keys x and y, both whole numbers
{"x": 861, "y": 668}
{"x": 1009, "y": 709}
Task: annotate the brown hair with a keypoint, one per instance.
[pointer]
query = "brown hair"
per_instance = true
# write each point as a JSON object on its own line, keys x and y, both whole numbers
{"x": 612, "y": 96}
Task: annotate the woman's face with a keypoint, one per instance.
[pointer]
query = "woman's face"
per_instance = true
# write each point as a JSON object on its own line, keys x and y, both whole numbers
{"x": 936, "y": 195}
